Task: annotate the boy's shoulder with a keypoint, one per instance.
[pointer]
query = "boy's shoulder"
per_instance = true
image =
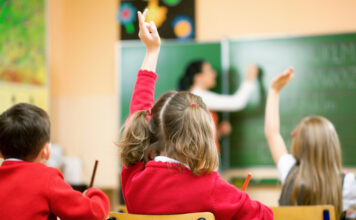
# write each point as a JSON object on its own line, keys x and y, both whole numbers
{"x": 31, "y": 167}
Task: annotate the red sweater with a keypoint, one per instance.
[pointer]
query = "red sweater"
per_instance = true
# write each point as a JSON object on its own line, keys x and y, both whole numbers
{"x": 168, "y": 188}
{"x": 33, "y": 191}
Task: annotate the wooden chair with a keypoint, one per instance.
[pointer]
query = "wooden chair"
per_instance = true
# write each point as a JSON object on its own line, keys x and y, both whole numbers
{"x": 318, "y": 212}
{"x": 122, "y": 209}
{"x": 188, "y": 216}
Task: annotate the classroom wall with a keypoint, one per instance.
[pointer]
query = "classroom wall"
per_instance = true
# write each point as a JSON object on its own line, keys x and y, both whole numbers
{"x": 84, "y": 106}
{"x": 233, "y": 18}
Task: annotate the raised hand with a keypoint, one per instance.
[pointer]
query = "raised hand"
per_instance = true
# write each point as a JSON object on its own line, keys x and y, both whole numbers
{"x": 148, "y": 32}
{"x": 274, "y": 138}
{"x": 149, "y": 36}
{"x": 252, "y": 73}
{"x": 282, "y": 80}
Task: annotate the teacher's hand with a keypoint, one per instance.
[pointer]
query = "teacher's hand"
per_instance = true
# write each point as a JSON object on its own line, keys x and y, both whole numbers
{"x": 252, "y": 73}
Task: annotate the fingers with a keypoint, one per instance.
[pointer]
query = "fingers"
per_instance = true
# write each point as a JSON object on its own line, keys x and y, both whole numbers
{"x": 142, "y": 23}
{"x": 142, "y": 17}
{"x": 287, "y": 74}
{"x": 141, "y": 20}
{"x": 153, "y": 29}
{"x": 144, "y": 14}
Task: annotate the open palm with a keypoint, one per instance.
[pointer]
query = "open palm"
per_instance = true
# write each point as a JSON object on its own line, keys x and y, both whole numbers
{"x": 282, "y": 80}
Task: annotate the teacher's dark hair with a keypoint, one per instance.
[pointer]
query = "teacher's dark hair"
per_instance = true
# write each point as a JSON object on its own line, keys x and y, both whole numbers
{"x": 187, "y": 80}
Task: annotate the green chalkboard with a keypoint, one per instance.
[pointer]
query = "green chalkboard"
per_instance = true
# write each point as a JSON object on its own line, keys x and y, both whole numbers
{"x": 173, "y": 59}
{"x": 324, "y": 84}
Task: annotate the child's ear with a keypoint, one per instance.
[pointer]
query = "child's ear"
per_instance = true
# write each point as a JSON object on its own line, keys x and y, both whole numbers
{"x": 46, "y": 151}
{"x": 44, "y": 154}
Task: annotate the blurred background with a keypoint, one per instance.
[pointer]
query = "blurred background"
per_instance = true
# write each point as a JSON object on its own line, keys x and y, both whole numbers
{"x": 65, "y": 56}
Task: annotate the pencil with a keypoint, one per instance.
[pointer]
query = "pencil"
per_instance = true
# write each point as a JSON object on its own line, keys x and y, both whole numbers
{"x": 93, "y": 175}
{"x": 246, "y": 182}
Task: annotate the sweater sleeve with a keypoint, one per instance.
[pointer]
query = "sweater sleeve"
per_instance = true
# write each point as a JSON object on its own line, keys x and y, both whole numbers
{"x": 69, "y": 204}
{"x": 219, "y": 102}
{"x": 231, "y": 203}
{"x": 143, "y": 94}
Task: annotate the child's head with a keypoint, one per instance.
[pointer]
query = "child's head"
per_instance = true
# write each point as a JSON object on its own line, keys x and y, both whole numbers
{"x": 24, "y": 132}
{"x": 316, "y": 143}
{"x": 183, "y": 128}
{"x": 142, "y": 137}
{"x": 188, "y": 130}
{"x": 155, "y": 123}
{"x": 316, "y": 148}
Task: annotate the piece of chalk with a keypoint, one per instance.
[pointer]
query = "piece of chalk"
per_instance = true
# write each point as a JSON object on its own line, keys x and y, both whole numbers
{"x": 246, "y": 182}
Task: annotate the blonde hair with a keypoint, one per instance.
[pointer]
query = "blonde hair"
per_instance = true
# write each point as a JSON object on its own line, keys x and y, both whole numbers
{"x": 188, "y": 129}
{"x": 141, "y": 137}
{"x": 181, "y": 127}
{"x": 316, "y": 148}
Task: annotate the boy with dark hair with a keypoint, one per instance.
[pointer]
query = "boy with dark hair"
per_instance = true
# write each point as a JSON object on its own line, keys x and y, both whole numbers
{"x": 28, "y": 188}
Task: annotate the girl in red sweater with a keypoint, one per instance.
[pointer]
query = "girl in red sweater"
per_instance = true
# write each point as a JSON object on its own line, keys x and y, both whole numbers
{"x": 182, "y": 177}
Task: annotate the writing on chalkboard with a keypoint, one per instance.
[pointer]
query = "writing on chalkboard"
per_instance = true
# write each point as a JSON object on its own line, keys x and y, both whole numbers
{"x": 324, "y": 78}
{"x": 324, "y": 84}
{"x": 337, "y": 53}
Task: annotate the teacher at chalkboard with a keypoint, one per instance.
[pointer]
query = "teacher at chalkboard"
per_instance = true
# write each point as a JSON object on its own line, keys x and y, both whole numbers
{"x": 200, "y": 77}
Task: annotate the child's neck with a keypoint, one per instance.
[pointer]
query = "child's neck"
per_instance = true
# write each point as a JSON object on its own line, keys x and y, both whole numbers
{"x": 164, "y": 154}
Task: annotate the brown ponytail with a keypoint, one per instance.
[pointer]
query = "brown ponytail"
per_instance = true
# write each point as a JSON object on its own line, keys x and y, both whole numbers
{"x": 135, "y": 140}
{"x": 189, "y": 132}
{"x": 142, "y": 138}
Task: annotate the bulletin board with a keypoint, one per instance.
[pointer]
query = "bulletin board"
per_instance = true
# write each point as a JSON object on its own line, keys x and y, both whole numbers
{"x": 175, "y": 19}
{"x": 23, "y": 76}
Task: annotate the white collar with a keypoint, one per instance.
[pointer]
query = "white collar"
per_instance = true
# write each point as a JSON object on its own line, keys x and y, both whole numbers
{"x": 169, "y": 160}
{"x": 13, "y": 159}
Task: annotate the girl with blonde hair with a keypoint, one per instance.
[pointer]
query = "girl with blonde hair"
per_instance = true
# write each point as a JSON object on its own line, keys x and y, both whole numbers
{"x": 312, "y": 173}
{"x": 179, "y": 130}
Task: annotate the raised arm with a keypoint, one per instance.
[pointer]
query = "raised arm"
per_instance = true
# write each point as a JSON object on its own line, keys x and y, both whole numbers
{"x": 235, "y": 102}
{"x": 143, "y": 94}
{"x": 272, "y": 131}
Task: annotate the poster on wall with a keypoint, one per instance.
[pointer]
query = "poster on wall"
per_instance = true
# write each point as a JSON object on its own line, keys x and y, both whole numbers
{"x": 23, "y": 75}
{"x": 175, "y": 19}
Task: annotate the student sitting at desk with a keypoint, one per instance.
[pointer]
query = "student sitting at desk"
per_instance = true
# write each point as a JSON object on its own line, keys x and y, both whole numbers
{"x": 28, "y": 188}
{"x": 312, "y": 173}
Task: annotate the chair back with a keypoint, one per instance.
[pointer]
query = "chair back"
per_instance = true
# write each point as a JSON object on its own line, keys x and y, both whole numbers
{"x": 317, "y": 212}
{"x": 188, "y": 216}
